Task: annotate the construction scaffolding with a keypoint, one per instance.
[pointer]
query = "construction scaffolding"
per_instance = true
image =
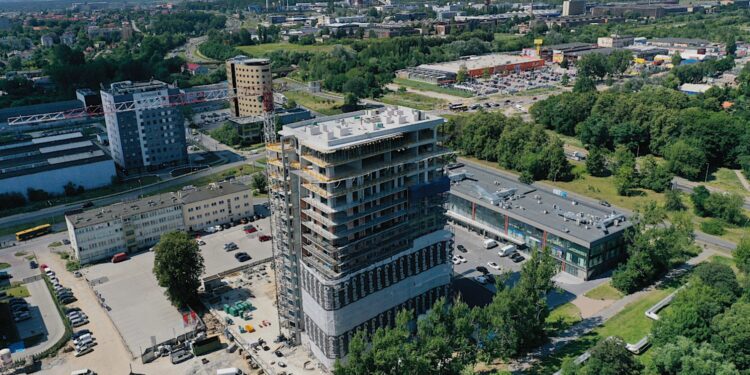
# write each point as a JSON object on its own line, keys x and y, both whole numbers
{"x": 285, "y": 253}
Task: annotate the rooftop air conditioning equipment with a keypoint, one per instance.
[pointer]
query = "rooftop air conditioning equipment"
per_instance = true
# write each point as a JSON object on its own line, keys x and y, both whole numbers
{"x": 574, "y": 202}
{"x": 566, "y": 230}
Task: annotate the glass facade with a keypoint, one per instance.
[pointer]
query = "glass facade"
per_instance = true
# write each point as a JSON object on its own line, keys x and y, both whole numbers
{"x": 572, "y": 258}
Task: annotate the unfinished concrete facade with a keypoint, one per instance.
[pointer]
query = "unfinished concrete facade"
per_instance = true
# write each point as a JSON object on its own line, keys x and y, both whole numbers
{"x": 366, "y": 194}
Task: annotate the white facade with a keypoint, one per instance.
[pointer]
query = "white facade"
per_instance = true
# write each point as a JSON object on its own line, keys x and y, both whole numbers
{"x": 217, "y": 210}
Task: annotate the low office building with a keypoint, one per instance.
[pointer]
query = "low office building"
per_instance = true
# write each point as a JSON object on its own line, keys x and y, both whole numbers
{"x": 129, "y": 227}
{"x": 585, "y": 239}
{"x": 215, "y": 204}
{"x": 615, "y": 41}
{"x": 250, "y": 128}
{"x": 123, "y": 227}
{"x": 49, "y": 163}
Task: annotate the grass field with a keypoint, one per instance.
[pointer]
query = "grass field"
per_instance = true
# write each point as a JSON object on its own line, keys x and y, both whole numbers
{"x": 263, "y": 49}
{"x": 412, "y": 100}
{"x": 725, "y": 179}
{"x": 568, "y": 140}
{"x": 631, "y": 324}
{"x": 423, "y": 86}
{"x": 563, "y": 317}
{"x": 315, "y": 103}
{"x": 604, "y": 292}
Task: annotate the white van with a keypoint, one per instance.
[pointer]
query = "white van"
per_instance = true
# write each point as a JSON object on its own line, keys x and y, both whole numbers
{"x": 84, "y": 371}
{"x": 506, "y": 250}
{"x": 489, "y": 243}
{"x": 229, "y": 371}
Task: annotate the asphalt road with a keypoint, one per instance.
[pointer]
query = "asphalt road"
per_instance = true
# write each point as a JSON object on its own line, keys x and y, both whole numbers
{"x": 687, "y": 186}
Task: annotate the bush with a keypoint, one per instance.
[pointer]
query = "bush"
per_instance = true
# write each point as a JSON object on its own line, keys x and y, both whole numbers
{"x": 713, "y": 226}
{"x": 11, "y": 200}
{"x": 72, "y": 265}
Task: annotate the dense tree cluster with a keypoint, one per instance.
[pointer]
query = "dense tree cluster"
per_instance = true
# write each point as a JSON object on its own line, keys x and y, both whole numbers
{"x": 451, "y": 339}
{"x": 512, "y": 143}
{"x": 654, "y": 249}
{"x": 725, "y": 206}
{"x": 191, "y": 23}
{"x": 691, "y": 133}
{"x": 227, "y": 134}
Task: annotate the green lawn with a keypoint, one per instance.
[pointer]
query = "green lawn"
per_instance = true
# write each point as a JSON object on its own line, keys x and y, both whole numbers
{"x": 631, "y": 324}
{"x": 424, "y": 86}
{"x": 604, "y": 291}
{"x": 263, "y": 49}
{"x": 324, "y": 106}
{"x": 563, "y": 317}
{"x": 725, "y": 179}
{"x": 412, "y": 100}
{"x": 568, "y": 140}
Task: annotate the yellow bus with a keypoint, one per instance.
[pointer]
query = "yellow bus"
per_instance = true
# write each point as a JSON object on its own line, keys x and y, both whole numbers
{"x": 30, "y": 233}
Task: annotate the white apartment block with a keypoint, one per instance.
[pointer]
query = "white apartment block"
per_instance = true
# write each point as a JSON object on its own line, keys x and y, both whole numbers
{"x": 214, "y": 205}
{"x": 132, "y": 226}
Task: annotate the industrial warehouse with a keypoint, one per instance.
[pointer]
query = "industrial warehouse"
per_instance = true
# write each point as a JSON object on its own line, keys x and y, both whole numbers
{"x": 585, "y": 239}
{"x": 476, "y": 66}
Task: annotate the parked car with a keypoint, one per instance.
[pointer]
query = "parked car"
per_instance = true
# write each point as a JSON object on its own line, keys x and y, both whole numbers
{"x": 264, "y": 238}
{"x": 230, "y": 246}
{"x": 120, "y": 257}
{"x": 80, "y": 333}
{"x": 461, "y": 248}
{"x": 33, "y": 265}
{"x": 68, "y": 300}
{"x": 242, "y": 257}
{"x": 461, "y": 258}
{"x": 517, "y": 258}
{"x": 84, "y": 351}
{"x": 480, "y": 279}
{"x": 250, "y": 229}
{"x": 455, "y": 260}
{"x": 493, "y": 265}
{"x": 483, "y": 269}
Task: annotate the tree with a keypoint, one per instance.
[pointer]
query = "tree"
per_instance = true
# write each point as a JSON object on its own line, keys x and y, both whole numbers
{"x": 290, "y": 104}
{"x": 673, "y": 200}
{"x": 742, "y": 255}
{"x": 626, "y": 179}
{"x": 596, "y": 162}
{"x": 11, "y": 200}
{"x": 726, "y": 206}
{"x": 584, "y": 83}
{"x": 690, "y": 314}
{"x": 178, "y": 266}
{"x": 720, "y": 277}
{"x": 501, "y": 331}
{"x": 37, "y": 195}
{"x": 619, "y": 61}
{"x": 609, "y": 357}
{"x": 699, "y": 196}
{"x": 732, "y": 334}
{"x": 260, "y": 183}
{"x": 565, "y": 79}
{"x": 676, "y": 59}
{"x": 462, "y": 74}
{"x": 15, "y": 63}
{"x": 654, "y": 176}
{"x": 685, "y": 357}
{"x": 685, "y": 159}
{"x": 593, "y": 65}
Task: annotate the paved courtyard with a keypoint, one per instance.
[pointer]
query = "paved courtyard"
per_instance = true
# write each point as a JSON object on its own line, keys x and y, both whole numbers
{"x": 137, "y": 304}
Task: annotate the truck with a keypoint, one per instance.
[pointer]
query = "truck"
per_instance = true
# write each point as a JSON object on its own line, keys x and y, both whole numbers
{"x": 506, "y": 250}
{"x": 229, "y": 371}
{"x": 489, "y": 243}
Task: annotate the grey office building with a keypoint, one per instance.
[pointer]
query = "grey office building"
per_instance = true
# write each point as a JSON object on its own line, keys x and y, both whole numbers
{"x": 150, "y": 133}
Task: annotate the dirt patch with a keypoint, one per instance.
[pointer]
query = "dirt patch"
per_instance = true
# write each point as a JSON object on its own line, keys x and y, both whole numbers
{"x": 589, "y": 307}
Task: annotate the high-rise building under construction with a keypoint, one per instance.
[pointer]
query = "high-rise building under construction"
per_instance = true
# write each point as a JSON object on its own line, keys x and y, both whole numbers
{"x": 358, "y": 214}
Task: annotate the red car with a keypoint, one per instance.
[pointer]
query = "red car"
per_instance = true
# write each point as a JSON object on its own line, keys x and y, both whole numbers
{"x": 250, "y": 229}
{"x": 119, "y": 257}
{"x": 264, "y": 238}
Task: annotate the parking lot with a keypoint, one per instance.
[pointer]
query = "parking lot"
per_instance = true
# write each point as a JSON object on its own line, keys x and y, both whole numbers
{"x": 569, "y": 287}
{"x": 517, "y": 82}
{"x": 135, "y": 302}
{"x": 218, "y": 260}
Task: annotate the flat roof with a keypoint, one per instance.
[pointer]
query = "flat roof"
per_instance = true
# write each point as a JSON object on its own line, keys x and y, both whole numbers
{"x": 46, "y": 153}
{"x": 187, "y": 195}
{"x": 480, "y": 62}
{"x": 129, "y": 87}
{"x": 211, "y": 191}
{"x": 327, "y": 134}
{"x": 242, "y": 59}
{"x": 691, "y": 41}
{"x": 603, "y": 51}
{"x": 123, "y": 209}
{"x": 550, "y": 210}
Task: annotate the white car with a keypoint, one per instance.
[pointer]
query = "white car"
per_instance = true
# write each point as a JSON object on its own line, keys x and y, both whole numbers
{"x": 455, "y": 260}
{"x": 493, "y": 265}
{"x": 461, "y": 258}
{"x": 84, "y": 351}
